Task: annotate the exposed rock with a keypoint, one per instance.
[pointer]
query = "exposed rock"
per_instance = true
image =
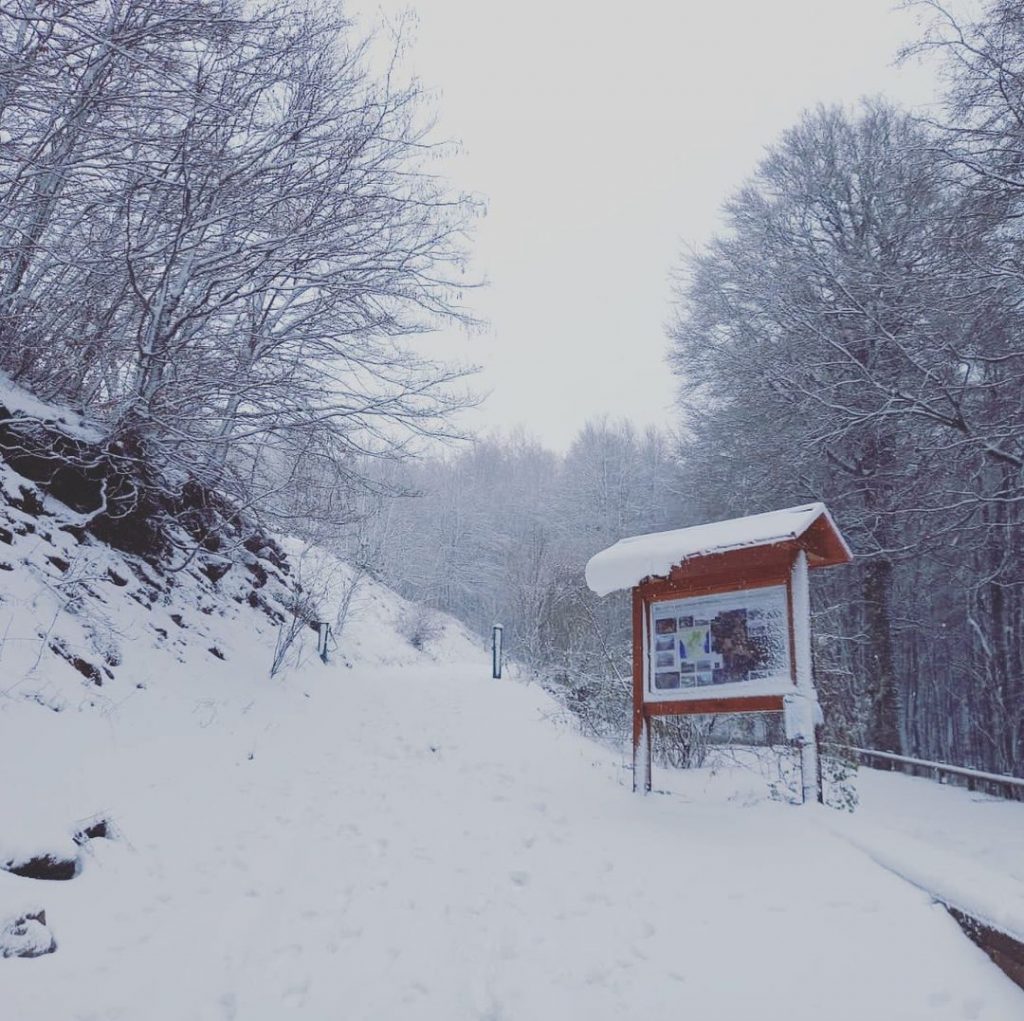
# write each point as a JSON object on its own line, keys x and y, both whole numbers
{"x": 83, "y": 666}
{"x": 97, "y": 827}
{"x": 43, "y": 866}
{"x": 26, "y": 935}
{"x": 216, "y": 571}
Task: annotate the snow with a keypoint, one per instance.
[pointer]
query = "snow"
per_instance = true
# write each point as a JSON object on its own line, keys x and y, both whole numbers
{"x": 428, "y": 844}
{"x": 20, "y": 402}
{"x": 631, "y": 560}
{"x": 801, "y": 714}
{"x": 988, "y": 830}
{"x": 395, "y": 835}
{"x": 966, "y": 848}
{"x": 990, "y": 898}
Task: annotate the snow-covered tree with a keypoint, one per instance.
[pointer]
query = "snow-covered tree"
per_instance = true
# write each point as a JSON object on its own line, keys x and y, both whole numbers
{"x": 218, "y": 235}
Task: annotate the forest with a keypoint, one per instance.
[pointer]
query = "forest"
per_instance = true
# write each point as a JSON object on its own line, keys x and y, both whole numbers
{"x": 853, "y": 334}
{"x": 220, "y": 237}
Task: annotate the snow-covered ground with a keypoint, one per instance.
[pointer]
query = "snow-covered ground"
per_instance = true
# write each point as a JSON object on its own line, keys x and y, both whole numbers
{"x": 422, "y": 842}
{"x": 394, "y": 835}
{"x": 987, "y": 830}
{"x": 962, "y": 847}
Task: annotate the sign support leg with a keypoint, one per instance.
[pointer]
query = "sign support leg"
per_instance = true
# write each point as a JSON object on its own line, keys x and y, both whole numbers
{"x": 648, "y": 729}
{"x": 641, "y": 755}
{"x": 808, "y": 740}
{"x": 641, "y": 724}
{"x": 809, "y": 771}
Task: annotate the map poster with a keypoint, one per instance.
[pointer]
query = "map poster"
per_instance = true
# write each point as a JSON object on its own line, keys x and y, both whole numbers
{"x": 726, "y": 639}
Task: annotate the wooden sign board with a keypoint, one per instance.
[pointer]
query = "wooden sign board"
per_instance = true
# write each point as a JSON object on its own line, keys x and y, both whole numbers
{"x": 721, "y": 617}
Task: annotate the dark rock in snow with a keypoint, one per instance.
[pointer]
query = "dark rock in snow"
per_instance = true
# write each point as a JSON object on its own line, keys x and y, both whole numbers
{"x": 259, "y": 574}
{"x": 216, "y": 571}
{"x": 76, "y": 531}
{"x": 43, "y": 866}
{"x": 83, "y": 666}
{"x": 94, "y": 829}
{"x": 29, "y": 502}
{"x": 26, "y": 935}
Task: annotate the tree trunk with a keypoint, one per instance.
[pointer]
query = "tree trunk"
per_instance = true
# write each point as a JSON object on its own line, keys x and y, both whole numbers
{"x": 884, "y": 731}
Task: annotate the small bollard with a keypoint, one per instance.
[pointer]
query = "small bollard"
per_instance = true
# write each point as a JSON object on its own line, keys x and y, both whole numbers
{"x": 323, "y": 631}
{"x": 496, "y": 652}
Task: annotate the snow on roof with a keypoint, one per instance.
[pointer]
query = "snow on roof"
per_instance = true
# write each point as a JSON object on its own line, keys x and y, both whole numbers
{"x": 631, "y": 560}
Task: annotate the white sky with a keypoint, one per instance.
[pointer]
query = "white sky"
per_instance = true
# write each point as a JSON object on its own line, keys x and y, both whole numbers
{"x": 604, "y": 138}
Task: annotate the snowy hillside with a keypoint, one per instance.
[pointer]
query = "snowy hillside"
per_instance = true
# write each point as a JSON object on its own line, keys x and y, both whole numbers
{"x": 116, "y": 672}
{"x": 392, "y": 835}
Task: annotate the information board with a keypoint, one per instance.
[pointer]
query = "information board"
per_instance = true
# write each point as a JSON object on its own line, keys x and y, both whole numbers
{"x": 724, "y": 644}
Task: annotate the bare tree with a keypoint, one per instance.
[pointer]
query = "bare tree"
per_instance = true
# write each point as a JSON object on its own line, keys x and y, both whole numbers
{"x": 219, "y": 236}
{"x": 845, "y": 340}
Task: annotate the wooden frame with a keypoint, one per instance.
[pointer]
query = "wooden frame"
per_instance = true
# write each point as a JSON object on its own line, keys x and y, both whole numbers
{"x": 774, "y": 564}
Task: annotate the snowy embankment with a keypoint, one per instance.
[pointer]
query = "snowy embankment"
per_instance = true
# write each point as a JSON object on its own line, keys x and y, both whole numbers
{"x": 393, "y": 835}
{"x": 965, "y": 848}
{"x": 987, "y": 830}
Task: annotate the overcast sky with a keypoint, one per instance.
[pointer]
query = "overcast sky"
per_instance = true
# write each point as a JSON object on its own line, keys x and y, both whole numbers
{"x": 604, "y": 138}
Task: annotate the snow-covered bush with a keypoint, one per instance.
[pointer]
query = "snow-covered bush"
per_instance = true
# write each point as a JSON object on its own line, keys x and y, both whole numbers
{"x": 303, "y": 612}
{"x": 682, "y": 741}
{"x": 421, "y": 627}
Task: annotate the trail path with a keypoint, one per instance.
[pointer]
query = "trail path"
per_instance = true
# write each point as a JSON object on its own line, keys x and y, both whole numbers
{"x": 428, "y": 844}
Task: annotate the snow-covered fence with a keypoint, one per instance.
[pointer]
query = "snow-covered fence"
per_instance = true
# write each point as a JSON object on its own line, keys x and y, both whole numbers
{"x": 998, "y": 783}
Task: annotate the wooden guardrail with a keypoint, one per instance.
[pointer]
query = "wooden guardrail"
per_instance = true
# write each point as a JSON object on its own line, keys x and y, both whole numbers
{"x": 1007, "y": 786}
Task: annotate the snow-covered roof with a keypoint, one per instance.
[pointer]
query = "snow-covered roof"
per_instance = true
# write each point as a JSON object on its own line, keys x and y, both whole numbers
{"x": 631, "y": 560}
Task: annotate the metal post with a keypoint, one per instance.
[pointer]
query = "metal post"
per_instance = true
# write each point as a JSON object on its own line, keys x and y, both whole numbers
{"x": 496, "y": 633}
{"x": 323, "y": 634}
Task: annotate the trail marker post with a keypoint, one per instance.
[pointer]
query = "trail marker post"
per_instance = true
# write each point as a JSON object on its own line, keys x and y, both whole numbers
{"x": 721, "y": 623}
{"x": 323, "y": 634}
{"x": 496, "y": 634}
